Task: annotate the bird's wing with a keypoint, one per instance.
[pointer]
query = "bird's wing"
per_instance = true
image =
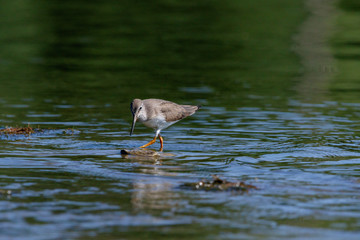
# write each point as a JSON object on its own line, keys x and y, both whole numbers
{"x": 173, "y": 111}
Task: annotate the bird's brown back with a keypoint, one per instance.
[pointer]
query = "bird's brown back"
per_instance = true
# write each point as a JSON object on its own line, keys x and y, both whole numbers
{"x": 171, "y": 110}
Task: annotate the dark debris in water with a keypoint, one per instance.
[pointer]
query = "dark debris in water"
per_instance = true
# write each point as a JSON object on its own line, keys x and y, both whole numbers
{"x": 5, "y": 192}
{"x": 16, "y": 132}
{"x": 20, "y": 130}
{"x": 218, "y": 184}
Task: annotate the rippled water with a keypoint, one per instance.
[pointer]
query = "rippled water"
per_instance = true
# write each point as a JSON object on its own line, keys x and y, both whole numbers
{"x": 269, "y": 118}
{"x": 304, "y": 162}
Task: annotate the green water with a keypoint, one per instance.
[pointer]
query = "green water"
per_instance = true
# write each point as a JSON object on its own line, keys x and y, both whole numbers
{"x": 278, "y": 82}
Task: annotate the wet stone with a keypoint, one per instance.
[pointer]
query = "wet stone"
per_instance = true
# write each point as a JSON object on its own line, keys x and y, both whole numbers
{"x": 144, "y": 152}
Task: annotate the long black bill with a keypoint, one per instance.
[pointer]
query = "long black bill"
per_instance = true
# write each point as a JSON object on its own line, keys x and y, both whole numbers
{"x": 133, "y": 125}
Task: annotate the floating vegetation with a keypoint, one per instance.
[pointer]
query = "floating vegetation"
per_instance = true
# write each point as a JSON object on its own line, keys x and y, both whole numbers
{"x": 218, "y": 184}
{"x": 14, "y": 133}
{"x": 20, "y": 130}
{"x": 70, "y": 131}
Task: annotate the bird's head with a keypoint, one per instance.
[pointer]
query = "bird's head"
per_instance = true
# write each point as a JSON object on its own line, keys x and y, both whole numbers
{"x": 136, "y": 107}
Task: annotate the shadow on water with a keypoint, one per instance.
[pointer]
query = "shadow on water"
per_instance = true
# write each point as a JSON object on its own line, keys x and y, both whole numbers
{"x": 271, "y": 75}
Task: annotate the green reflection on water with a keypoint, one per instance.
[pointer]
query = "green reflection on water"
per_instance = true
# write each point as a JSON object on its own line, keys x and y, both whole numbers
{"x": 346, "y": 45}
{"x": 113, "y": 51}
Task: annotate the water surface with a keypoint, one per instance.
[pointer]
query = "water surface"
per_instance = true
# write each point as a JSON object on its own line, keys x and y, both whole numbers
{"x": 271, "y": 117}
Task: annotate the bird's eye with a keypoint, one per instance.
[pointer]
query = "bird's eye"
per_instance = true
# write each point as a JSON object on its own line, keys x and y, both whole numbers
{"x": 140, "y": 108}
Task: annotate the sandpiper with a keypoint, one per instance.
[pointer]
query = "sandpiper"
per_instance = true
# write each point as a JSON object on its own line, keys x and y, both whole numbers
{"x": 158, "y": 114}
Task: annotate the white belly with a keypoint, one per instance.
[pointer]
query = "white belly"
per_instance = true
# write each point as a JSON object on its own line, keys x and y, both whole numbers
{"x": 157, "y": 123}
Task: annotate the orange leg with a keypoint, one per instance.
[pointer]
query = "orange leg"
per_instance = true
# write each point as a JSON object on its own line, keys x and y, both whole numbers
{"x": 149, "y": 143}
{"x": 161, "y": 143}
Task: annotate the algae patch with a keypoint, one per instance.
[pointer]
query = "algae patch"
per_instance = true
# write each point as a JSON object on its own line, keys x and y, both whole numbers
{"x": 20, "y": 130}
{"x": 14, "y": 133}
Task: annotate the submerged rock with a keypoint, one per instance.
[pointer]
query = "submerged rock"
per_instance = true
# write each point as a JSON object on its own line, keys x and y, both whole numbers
{"x": 220, "y": 185}
{"x": 144, "y": 153}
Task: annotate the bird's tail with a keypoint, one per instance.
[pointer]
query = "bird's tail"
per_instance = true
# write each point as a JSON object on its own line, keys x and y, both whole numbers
{"x": 190, "y": 109}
